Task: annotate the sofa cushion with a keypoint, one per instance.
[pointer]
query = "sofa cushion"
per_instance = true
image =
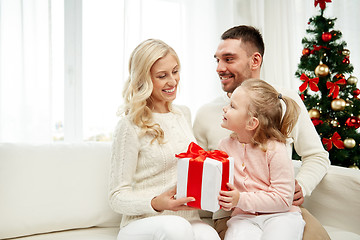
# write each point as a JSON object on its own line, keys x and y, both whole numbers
{"x": 335, "y": 202}
{"x": 340, "y": 234}
{"x": 94, "y": 233}
{"x": 54, "y": 187}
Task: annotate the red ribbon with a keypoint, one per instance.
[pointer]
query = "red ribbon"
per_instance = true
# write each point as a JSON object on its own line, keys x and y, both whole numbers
{"x": 322, "y": 3}
{"x": 335, "y": 139}
{"x": 317, "y": 121}
{"x": 318, "y": 48}
{"x": 334, "y": 87}
{"x": 311, "y": 82}
{"x": 196, "y": 163}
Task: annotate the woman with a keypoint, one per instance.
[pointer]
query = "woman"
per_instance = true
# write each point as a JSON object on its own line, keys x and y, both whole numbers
{"x": 149, "y": 134}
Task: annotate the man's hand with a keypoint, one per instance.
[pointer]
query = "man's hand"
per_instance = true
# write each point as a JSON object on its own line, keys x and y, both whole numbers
{"x": 229, "y": 199}
{"x": 298, "y": 195}
{"x": 167, "y": 201}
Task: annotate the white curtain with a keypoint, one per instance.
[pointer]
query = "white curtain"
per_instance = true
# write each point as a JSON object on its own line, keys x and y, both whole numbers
{"x": 25, "y": 71}
{"x": 32, "y": 89}
{"x": 283, "y": 24}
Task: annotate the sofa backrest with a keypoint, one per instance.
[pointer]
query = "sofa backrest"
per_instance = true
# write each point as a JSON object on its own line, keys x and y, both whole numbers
{"x": 54, "y": 187}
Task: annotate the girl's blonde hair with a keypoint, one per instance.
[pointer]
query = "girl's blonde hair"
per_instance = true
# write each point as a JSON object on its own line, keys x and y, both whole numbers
{"x": 265, "y": 105}
{"x": 138, "y": 88}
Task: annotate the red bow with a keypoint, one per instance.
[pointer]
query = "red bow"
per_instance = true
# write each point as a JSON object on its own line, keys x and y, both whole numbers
{"x": 317, "y": 121}
{"x": 317, "y": 48}
{"x": 322, "y": 3}
{"x": 335, "y": 139}
{"x": 311, "y": 82}
{"x": 198, "y": 154}
{"x": 334, "y": 88}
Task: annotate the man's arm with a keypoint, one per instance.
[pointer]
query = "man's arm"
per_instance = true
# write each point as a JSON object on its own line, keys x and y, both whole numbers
{"x": 307, "y": 144}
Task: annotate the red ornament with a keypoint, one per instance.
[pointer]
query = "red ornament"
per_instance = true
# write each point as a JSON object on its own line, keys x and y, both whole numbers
{"x": 356, "y": 93}
{"x": 353, "y": 122}
{"x": 306, "y": 51}
{"x": 322, "y": 3}
{"x": 326, "y": 36}
{"x": 346, "y": 60}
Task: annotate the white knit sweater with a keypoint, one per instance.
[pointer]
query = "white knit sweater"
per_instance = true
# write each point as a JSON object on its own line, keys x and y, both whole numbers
{"x": 141, "y": 170}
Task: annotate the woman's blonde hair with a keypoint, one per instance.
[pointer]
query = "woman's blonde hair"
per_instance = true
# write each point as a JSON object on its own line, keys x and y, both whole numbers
{"x": 138, "y": 88}
{"x": 265, "y": 105}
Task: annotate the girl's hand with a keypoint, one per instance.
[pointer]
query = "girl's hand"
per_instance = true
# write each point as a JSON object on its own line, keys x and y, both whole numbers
{"x": 167, "y": 201}
{"x": 229, "y": 199}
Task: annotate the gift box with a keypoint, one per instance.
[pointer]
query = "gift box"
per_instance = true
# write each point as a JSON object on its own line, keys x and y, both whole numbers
{"x": 202, "y": 174}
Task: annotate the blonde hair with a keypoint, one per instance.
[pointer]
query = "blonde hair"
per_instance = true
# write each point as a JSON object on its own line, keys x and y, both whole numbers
{"x": 265, "y": 105}
{"x": 138, "y": 88}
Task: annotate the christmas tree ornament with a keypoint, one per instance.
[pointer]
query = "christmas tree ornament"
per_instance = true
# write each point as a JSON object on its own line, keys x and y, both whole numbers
{"x": 334, "y": 87}
{"x": 346, "y": 52}
{"x": 322, "y": 3}
{"x": 334, "y": 123}
{"x": 326, "y": 36}
{"x": 306, "y": 51}
{"x": 346, "y": 60}
{"x": 339, "y": 76}
{"x": 354, "y": 166}
{"x": 314, "y": 113}
{"x": 338, "y": 104}
{"x": 352, "y": 80}
{"x": 335, "y": 139}
{"x": 356, "y": 93}
{"x": 317, "y": 121}
{"x": 353, "y": 122}
{"x": 312, "y": 83}
{"x": 322, "y": 70}
{"x": 349, "y": 143}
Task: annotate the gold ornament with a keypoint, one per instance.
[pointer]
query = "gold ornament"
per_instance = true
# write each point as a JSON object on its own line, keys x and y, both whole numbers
{"x": 349, "y": 143}
{"x": 334, "y": 123}
{"x": 314, "y": 113}
{"x": 322, "y": 70}
{"x": 352, "y": 80}
{"x": 354, "y": 167}
{"x": 346, "y": 52}
{"x": 338, "y": 104}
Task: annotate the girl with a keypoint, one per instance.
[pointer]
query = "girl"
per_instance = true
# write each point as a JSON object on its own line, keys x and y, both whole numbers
{"x": 262, "y": 194}
{"x": 149, "y": 134}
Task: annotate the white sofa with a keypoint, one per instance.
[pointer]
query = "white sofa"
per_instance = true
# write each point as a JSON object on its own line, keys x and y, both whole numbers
{"x": 59, "y": 191}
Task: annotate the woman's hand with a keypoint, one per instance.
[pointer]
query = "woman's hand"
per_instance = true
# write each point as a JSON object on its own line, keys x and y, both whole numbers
{"x": 229, "y": 199}
{"x": 167, "y": 201}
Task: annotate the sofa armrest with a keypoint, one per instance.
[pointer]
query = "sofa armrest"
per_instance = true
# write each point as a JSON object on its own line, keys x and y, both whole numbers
{"x": 335, "y": 201}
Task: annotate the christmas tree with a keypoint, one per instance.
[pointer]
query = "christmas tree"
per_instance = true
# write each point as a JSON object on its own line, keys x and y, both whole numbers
{"x": 329, "y": 90}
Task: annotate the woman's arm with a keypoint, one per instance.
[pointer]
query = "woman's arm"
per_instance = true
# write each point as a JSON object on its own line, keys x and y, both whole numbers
{"x": 123, "y": 197}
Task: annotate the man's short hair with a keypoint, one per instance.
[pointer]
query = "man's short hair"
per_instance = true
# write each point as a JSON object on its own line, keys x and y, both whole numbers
{"x": 247, "y": 34}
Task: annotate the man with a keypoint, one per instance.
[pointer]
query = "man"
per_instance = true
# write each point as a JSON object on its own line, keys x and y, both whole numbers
{"x": 239, "y": 57}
